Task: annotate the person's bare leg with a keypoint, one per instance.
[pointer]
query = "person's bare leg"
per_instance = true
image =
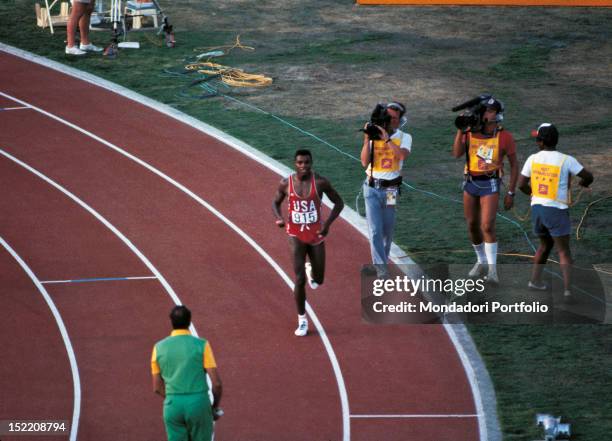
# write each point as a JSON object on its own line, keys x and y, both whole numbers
{"x": 565, "y": 259}
{"x": 471, "y": 211}
{"x": 84, "y": 23}
{"x": 540, "y": 259}
{"x": 298, "y": 255}
{"x": 316, "y": 253}
{"x": 78, "y": 10}
{"x": 488, "y": 213}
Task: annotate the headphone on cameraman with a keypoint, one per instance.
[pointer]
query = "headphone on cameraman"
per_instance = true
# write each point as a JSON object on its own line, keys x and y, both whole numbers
{"x": 401, "y": 109}
{"x": 500, "y": 107}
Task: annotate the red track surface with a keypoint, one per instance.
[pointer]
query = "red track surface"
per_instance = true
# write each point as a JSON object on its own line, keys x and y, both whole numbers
{"x": 278, "y": 387}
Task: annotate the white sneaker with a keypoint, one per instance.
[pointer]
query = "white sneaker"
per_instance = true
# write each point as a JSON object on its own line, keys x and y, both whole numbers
{"x": 492, "y": 278}
{"x": 90, "y": 48}
{"x": 302, "y": 328}
{"x": 537, "y": 286}
{"x": 311, "y": 282}
{"x": 74, "y": 51}
{"x": 478, "y": 270}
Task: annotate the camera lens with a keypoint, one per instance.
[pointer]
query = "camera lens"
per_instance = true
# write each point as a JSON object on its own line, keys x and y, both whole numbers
{"x": 462, "y": 122}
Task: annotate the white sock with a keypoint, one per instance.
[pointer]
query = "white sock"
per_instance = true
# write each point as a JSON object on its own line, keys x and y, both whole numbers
{"x": 302, "y": 318}
{"x": 480, "y": 252}
{"x": 490, "y": 250}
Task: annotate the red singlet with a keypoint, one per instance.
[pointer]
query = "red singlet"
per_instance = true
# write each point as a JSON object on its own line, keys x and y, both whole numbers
{"x": 304, "y": 214}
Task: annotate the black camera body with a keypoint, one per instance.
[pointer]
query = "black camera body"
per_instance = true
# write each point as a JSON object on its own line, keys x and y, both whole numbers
{"x": 380, "y": 118}
{"x": 472, "y": 117}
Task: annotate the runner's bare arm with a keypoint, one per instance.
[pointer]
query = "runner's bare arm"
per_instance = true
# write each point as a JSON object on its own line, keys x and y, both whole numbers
{"x": 332, "y": 194}
{"x": 280, "y": 196}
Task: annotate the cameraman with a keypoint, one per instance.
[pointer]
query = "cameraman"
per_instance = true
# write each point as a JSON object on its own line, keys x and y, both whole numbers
{"x": 484, "y": 147}
{"x": 383, "y": 156}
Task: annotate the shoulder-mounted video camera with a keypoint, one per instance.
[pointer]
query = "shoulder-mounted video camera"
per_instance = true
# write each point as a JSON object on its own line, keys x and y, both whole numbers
{"x": 380, "y": 117}
{"x": 472, "y": 117}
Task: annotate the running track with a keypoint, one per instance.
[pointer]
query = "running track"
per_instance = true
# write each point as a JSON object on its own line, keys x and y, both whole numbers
{"x": 77, "y": 204}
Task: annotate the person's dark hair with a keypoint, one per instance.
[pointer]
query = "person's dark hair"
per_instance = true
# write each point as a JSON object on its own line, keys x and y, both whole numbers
{"x": 548, "y": 135}
{"x": 302, "y": 152}
{"x": 180, "y": 316}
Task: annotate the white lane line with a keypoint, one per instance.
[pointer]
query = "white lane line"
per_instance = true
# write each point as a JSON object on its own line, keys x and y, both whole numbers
{"x": 483, "y": 430}
{"x": 76, "y": 380}
{"x": 346, "y": 424}
{"x": 106, "y": 223}
{"x": 103, "y": 220}
{"x": 417, "y": 416}
{"x": 97, "y": 279}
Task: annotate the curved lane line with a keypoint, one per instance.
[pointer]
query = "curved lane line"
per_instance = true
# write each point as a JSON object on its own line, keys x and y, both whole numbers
{"x": 76, "y": 379}
{"x": 472, "y": 378}
{"x": 346, "y": 424}
{"x": 120, "y": 235}
{"x": 106, "y": 223}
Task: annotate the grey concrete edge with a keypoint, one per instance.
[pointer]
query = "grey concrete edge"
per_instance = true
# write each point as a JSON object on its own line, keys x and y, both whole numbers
{"x": 478, "y": 376}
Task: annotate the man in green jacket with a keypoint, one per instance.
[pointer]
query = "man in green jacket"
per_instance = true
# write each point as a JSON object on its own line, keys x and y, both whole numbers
{"x": 179, "y": 365}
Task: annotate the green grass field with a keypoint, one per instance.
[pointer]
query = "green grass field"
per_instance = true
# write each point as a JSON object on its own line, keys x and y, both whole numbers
{"x": 332, "y": 61}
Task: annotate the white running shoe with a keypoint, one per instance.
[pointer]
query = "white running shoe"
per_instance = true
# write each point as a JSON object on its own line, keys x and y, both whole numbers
{"x": 90, "y": 48}
{"x": 479, "y": 269}
{"x": 537, "y": 286}
{"x": 311, "y": 282}
{"x": 492, "y": 278}
{"x": 302, "y": 328}
{"x": 74, "y": 51}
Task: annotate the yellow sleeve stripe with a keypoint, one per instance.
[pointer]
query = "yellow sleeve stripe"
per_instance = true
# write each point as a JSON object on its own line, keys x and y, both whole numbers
{"x": 154, "y": 365}
{"x": 209, "y": 358}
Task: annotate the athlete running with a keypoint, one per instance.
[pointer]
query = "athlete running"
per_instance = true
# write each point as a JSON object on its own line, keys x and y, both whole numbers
{"x": 303, "y": 190}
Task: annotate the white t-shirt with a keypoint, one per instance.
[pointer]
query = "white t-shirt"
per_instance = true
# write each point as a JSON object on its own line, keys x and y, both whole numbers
{"x": 405, "y": 142}
{"x": 551, "y": 172}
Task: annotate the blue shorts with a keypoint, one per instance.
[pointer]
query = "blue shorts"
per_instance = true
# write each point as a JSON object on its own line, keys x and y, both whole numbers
{"x": 550, "y": 221}
{"x": 481, "y": 187}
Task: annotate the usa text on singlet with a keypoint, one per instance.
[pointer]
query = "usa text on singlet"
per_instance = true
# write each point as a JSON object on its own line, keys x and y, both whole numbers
{"x": 304, "y": 214}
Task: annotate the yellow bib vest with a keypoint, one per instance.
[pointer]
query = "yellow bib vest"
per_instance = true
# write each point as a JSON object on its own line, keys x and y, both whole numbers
{"x": 545, "y": 181}
{"x": 483, "y": 155}
{"x": 384, "y": 158}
